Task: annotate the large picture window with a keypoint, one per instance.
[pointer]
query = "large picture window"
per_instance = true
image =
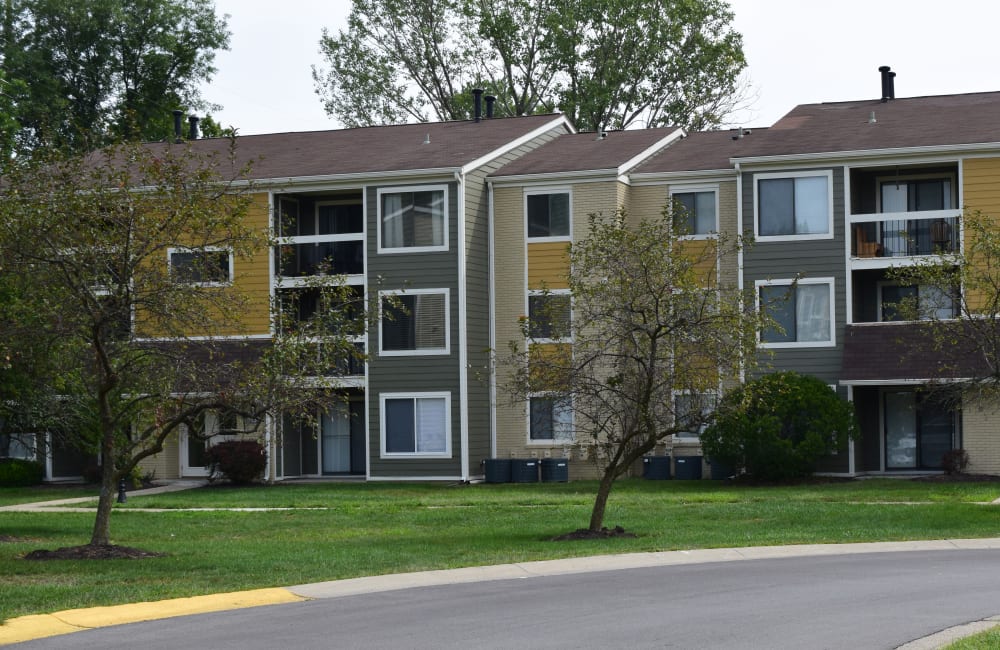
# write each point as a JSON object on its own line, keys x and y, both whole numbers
{"x": 794, "y": 206}
{"x": 804, "y": 312}
{"x": 550, "y": 419}
{"x": 415, "y": 322}
{"x": 413, "y": 220}
{"x": 548, "y": 215}
{"x": 416, "y": 424}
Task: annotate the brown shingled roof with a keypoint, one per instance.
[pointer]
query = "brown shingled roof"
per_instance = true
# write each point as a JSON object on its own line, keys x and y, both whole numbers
{"x": 702, "y": 151}
{"x": 899, "y": 123}
{"x": 378, "y": 148}
{"x": 585, "y": 152}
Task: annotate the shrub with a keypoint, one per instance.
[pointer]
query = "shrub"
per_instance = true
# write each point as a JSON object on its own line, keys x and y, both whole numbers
{"x": 777, "y": 426}
{"x": 955, "y": 461}
{"x": 17, "y": 472}
{"x": 240, "y": 461}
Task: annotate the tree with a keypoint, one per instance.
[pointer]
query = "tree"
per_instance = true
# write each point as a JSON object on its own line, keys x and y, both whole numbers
{"x": 778, "y": 426}
{"x": 604, "y": 64}
{"x": 955, "y": 299}
{"x": 139, "y": 347}
{"x": 94, "y": 72}
{"x": 654, "y": 333}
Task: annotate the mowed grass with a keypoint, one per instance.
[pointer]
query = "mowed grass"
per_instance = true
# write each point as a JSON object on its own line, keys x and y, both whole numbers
{"x": 988, "y": 640}
{"x": 13, "y": 496}
{"x": 360, "y": 529}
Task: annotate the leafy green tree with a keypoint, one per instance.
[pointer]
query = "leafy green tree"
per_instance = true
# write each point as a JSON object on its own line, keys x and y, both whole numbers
{"x": 97, "y": 71}
{"x": 778, "y": 426}
{"x": 605, "y": 64}
{"x": 139, "y": 347}
{"x": 651, "y": 322}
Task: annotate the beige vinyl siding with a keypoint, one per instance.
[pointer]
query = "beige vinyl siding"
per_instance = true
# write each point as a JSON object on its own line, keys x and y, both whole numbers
{"x": 979, "y": 418}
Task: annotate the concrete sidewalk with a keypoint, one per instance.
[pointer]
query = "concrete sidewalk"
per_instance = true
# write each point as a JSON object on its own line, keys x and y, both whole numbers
{"x": 59, "y": 505}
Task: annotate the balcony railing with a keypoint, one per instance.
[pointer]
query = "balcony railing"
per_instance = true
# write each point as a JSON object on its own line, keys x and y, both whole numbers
{"x": 906, "y": 234}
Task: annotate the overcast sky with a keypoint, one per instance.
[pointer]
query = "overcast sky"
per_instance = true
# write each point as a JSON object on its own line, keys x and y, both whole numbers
{"x": 798, "y": 51}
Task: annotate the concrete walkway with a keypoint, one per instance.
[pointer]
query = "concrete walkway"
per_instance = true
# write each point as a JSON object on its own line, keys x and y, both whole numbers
{"x": 38, "y": 626}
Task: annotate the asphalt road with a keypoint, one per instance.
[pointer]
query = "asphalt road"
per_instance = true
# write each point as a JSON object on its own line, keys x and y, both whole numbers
{"x": 869, "y": 601}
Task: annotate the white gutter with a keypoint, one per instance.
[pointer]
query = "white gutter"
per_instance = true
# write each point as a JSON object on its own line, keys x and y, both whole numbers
{"x": 655, "y": 178}
{"x": 866, "y": 154}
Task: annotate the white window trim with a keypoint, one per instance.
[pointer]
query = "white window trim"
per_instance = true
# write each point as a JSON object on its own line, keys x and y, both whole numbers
{"x": 548, "y": 190}
{"x": 689, "y": 189}
{"x": 204, "y": 249}
{"x": 554, "y": 442}
{"x": 405, "y": 189}
{"x": 415, "y": 396}
{"x": 550, "y": 292}
{"x": 904, "y": 178}
{"x": 832, "y": 342}
{"x": 446, "y": 350}
{"x": 828, "y": 174}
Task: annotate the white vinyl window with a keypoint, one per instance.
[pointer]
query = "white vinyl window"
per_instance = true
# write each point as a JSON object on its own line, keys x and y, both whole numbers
{"x": 416, "y": 424}
{"x": 413, "y": 219}
{"x": 550, "y": 419}
{"x": 548, "y": 215}
{"x": 931, "y": 302}
{"x": 18, "y": 445}
{"x": 414, "y": 322}
{"x": 696, "y": 211}
{"x": 803, "y": 310}
{"x": 794, "y": 205}
{"x": 203, "y": 267}
{"x": 692, "y": 411}
{"x": 549, "y": 315}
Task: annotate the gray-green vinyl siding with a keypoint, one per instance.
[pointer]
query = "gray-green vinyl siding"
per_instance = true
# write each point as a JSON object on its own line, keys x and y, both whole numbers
{"x": 787, "y": 260}
{"x": 416, "y": 373}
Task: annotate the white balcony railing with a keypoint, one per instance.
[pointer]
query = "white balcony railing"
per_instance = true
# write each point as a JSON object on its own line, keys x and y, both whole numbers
{"x": 905, "y": 234}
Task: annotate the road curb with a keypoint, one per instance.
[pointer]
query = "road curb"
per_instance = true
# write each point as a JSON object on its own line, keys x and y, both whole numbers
{"x": 40, "y": 626}
{"x": 952, "y": 634}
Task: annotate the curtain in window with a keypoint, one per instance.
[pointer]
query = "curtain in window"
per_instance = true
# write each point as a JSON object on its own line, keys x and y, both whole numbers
{"x": 430, "y": 420}
{"x": 812, "y": 312}
{"x": 392, "y": 221}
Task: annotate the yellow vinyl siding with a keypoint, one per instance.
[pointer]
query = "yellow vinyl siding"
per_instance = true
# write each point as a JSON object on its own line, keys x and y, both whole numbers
{"x": 981, "y": 192}
{"x": 252, "y": 275}
{"x": 548, "y": 265}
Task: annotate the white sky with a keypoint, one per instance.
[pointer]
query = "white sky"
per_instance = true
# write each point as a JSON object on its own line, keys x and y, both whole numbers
{"x": 799, "y": 51}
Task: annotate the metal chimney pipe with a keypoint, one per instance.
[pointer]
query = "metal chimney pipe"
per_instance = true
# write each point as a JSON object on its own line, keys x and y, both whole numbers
{"x": 892, "y": 85}
{"x": 885, "y": 82}
{"x": 477, "y": 97}
{"x": 490, "y": 100}
{"x": 193, "y": 130}
{"x": 177, "y": 126}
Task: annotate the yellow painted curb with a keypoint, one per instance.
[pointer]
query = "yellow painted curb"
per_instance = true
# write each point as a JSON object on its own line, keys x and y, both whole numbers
{"x": 39, "y": 626}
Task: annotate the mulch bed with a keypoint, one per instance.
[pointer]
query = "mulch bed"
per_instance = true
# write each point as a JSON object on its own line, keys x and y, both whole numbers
{"x": 92, "y": 552}
{"x": 586, "y": 533}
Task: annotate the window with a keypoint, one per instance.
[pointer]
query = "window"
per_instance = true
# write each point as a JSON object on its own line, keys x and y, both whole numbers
{"x": 415, "y": 322}
{"x": 931, "y": 302}
{"x": 692, "y": 411}
{"x": 804, "y": 312}
{"x": 794, "y": 206}
{"x": 326, "y": 237}
{"x": 550, "y": 419}
{"x": 695, "y": 212}
{"x": 203, "y": 267}
{"x": 413, "y": 220}
{"x": 549, "y": 316}
{"x": 18, "y": 445}
{"x": 548, "y": 215}
{"x": 416, "y": 424}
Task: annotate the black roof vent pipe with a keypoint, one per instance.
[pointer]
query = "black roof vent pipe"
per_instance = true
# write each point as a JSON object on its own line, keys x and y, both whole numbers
{"x": 490, "y": 100}
{"x": 885, "y": 82}
{"x": 177, "y": 126}
{"x": 477, "y": 100}
{"x": 193, "y": 131}
{"x": 892, "y": 85}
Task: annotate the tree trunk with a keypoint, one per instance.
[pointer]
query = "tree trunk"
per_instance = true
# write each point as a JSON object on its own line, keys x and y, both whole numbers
{"x": 601, "y": 501}
{"x": 102, "y": 523}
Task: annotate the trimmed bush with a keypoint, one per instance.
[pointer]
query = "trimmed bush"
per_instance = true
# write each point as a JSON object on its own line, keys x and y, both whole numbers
{"x": 16, "y": 472}
{"x": 240, "y": 461}
{"x": 778, "y": 426}
{"x": 955, "y": 461}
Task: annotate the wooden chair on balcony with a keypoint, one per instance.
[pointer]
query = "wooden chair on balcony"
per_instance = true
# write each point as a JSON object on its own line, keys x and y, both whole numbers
{"x": 865, "y": 248}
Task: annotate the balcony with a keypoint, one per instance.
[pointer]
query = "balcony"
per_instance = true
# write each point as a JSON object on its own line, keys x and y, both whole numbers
{"x": 905, "y": 234}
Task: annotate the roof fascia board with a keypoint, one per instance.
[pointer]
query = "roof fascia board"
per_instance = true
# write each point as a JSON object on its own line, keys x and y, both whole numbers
{"x": 561, "y": 120}
{"x": 663, "y": 142}
{"x": 356, "y": 178}
{"x": 869, "y": 153}
{"x": 586, "y": 176}
{"x": 657, "y": 178}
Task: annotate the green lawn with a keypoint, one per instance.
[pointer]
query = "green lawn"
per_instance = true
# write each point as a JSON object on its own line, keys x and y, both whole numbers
{"x": 12, "y": 496}
{"x": 988, "y": 640}
{"x": 371, "y": 528}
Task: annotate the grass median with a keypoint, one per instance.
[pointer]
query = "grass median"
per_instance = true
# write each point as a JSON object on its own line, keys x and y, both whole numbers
{"x": 342, "y": 530}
